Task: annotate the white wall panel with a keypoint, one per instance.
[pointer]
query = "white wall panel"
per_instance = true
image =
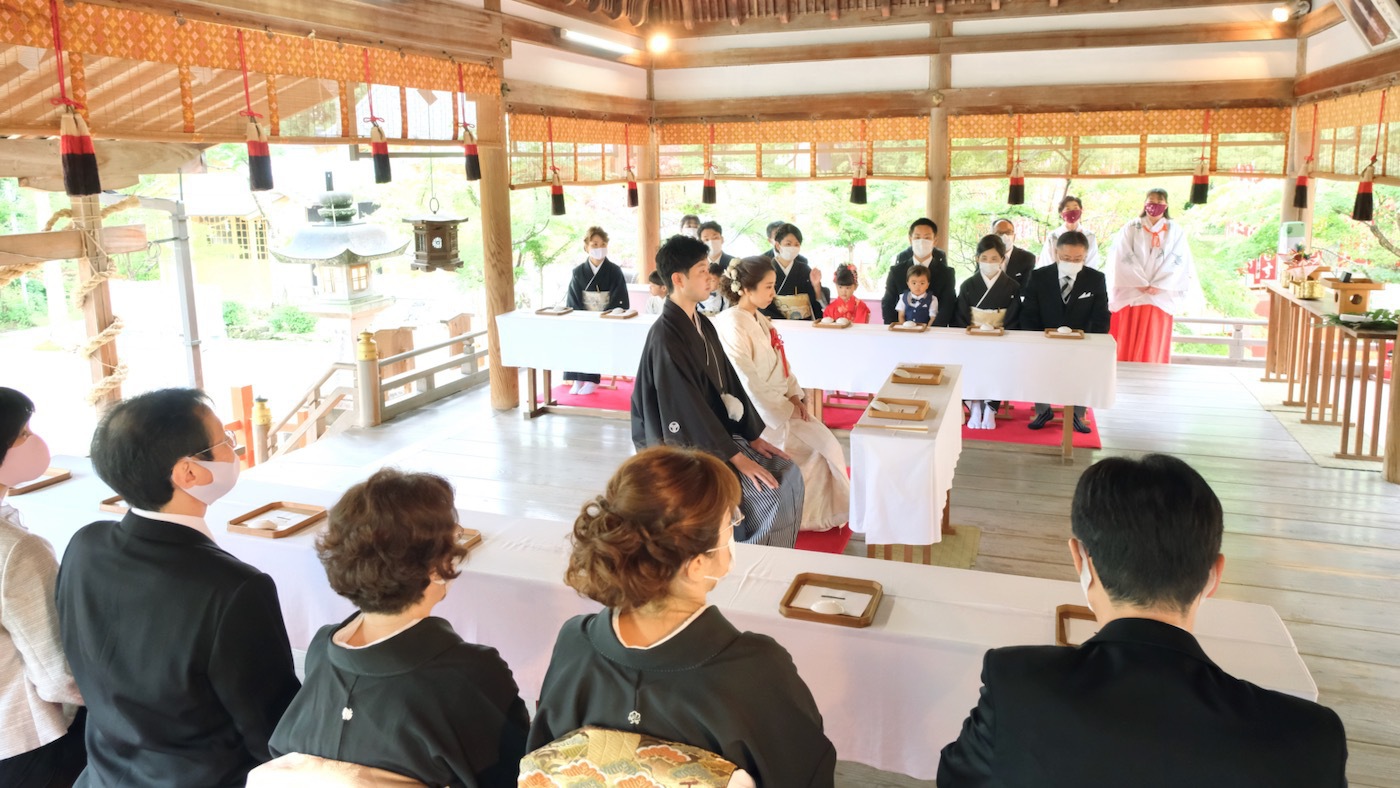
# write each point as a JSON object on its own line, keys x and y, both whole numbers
{"x": 1128, "y": 65}
{"x": 793, "y": 79}
{"x": 560, "y": 69}
{"x": 833, "y": 35}
{"x": 1114, "y": 20}
{"x": 1334, "y": 45}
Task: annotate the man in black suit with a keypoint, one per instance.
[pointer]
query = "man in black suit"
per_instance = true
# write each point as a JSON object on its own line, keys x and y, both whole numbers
{"x": 1019, "y": 262}
{"x": 1065, "y": 294}
{"x": 923, "y": 234}
{"x": 1140, "y": 704}
{"x": 178, "y": 648}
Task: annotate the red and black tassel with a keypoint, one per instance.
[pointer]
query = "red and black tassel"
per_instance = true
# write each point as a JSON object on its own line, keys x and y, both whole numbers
{"x": 632, "y": 200}
{"x": 473, "y": 159}
{"x": 379, "y": 151}
{"x": 707, "y": 191}
{"x": 1200, "y": 184}
{"x": 1016, "y": 195}
{"x": 79, "y": 159}
{"x": 1300, "y": 191}
{"x": 259, "y": 158}
{"x": 556, "y": 196}
{"x": 1364, "y": 210}
{"x": 858, "y": 193}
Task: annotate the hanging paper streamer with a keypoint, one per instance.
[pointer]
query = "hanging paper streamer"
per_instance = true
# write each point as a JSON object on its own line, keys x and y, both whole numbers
{"x": 259, "y": 157}
{"x": 1300, "y": 188}
{"x": 1364, "y": 210}
{"x": 556, "y": 188}
{"x": 1016, "y": 195}
{"x": 473, "y": 159}
{"x": 858, "y": 195}
{"x": 632, "y": 201}
{"x": 74, "y": 141}
{"x": 707, "y": 191}
{"x": 378, "y": 143}
{"x": 1200, "y": 181}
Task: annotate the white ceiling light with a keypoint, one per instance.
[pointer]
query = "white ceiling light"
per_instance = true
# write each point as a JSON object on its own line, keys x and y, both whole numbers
{"x": 1292, "y": 10}
{"x": 659, "y": 43}
{"x": 597, "y": 43}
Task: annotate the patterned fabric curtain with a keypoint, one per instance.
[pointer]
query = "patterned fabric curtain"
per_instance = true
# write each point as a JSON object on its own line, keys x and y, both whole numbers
{"x": 1346, "y": 135}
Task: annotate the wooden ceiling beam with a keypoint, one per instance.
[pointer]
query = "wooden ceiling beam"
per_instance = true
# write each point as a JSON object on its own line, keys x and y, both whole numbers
{"x": 1320, "y": 20}
{"x": 961, "y": 45}
{"x": 1096, "y": 98}
{"x": 874, "y": 104}
{"x": 1377, "y": 70}
{"x": 546, "y": 35}
{"x": 429, "y": 27}
{"x": 622, "y": 24}
{"x": 529, "y": 97}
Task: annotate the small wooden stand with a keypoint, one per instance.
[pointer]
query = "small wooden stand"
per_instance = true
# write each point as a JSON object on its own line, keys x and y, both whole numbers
{"x": 311, "y": 514}
{"x": 852, "y": 584}
{"x": 547, "y": 312}
{"x": 920, "y": 375}
{"x": 918, "y": 329}
{"x": 628, "y": 315}
{"x": 114, "y": 504}
{"x": 1063, "y": 614}
{"x": 51, "y": 477}
{"x": 975, "y": 331}
{"x": 1054, "y": 333}
{"x": 920, "y": 412}
{"x": 820, "y": 324}
{"x": 1354, "y": 297}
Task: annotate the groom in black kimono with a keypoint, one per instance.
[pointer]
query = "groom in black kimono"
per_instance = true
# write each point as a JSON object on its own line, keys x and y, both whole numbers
{"x": 688, "y": 394}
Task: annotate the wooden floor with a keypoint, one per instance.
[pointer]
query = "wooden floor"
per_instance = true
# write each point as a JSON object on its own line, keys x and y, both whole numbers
{"x": 1321, "y": 546}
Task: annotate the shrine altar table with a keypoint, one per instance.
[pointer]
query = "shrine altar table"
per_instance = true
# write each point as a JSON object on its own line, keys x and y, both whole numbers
{"x": 900, "y": 477}
{"x": 891, "y": 695}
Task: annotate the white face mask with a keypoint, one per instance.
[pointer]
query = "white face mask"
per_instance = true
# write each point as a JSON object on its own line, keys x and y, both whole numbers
{"x": 25, "y": 462}
{"x": 730, "y": 548}
{"x": 598, "y": 253}
{"x": 225, "y": 476}
{"x": 989, "y": 270}
{"x": 788, "y": 253}
{"x": 1069, "y": 269}
{"x": 715, "y": 247}
{"x": 1085, "y": 579}
{"x": 922, "y": 247}
{"x": 690, "y": 232}
{"x": 1008, "y": 239}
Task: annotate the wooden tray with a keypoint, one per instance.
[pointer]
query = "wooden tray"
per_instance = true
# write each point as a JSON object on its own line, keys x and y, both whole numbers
{"x": 310, "y": 514}
{"x": 820, "y": 324}
{"x": 115, "y": 505}
{"x": 547, "y": 312}
{"x": 628, "y": 315}
{"x": 857, "y": 585}
{"x": 51, "y": 477}
{"x": 1055, "y": 334}
{"x": 977, "y": 332}
{"x": 919, "y": 329}
{"x": 472, "y": 540}
{"x": 1063, "y": 614}
{"x": 919, "y": 369}
{"x": 920, "y": 413}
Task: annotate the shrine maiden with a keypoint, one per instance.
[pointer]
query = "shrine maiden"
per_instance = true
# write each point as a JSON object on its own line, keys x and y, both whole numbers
{"x": 597, "y": 285}
{"x": 659, "y": 659}
{"x": 991, "y": 297}
{"x": 1072, "y": 214}
{"x": 756, "y": 351}
{"x": 688, "y": 394}
{"x": 1151, "y": 279}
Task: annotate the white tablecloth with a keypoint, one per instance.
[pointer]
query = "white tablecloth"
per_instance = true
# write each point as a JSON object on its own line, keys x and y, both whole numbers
{"x": 900, "y": 479}
{"x": 1021, "y": 366}
{"x": 891, "y": 695}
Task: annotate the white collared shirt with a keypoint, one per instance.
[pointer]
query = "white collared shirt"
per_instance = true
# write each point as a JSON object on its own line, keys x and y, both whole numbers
{"x": 187, "y": 520}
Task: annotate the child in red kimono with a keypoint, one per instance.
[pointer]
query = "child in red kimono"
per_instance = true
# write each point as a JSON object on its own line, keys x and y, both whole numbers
{"x": 846, "y": 304}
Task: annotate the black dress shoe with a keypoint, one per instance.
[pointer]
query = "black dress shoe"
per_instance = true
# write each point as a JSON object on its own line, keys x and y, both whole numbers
{"x": 1080, "y": 426}
{"x": 1041, "y": 420}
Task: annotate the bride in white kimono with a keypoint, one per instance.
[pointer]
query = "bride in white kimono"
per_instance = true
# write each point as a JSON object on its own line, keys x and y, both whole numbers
{"x": 756, "y": 351}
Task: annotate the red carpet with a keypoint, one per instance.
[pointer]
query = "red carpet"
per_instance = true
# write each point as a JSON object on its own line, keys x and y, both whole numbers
{"x": 1013, "y": 430}
{"x": 608, "y": 399}
{"x": 832, "y": 541}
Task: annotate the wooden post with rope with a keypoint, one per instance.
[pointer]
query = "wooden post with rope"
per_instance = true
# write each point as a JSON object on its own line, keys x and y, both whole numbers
{"x": 96, "y": 301}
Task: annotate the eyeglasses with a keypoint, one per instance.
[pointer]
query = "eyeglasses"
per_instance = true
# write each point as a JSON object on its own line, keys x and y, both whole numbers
{"x": 230, "y": 440}
{"x": 736, "y": 519}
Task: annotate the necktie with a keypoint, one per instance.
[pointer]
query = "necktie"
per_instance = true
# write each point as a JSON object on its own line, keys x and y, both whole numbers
{"x": 1066, "y": 285}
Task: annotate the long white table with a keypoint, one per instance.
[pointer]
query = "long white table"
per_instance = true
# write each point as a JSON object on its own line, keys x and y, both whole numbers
{"x": 900, "y": 479}
{"x": 1023, "y": 366}
{"x": 891, "y": 695}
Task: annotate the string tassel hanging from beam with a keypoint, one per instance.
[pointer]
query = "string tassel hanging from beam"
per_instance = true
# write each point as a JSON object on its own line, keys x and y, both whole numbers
{"x": 632, "y": 200}
{"x": 1200, "y": 182}
{"x": 1300, "y": 188}
{"x": 259, "y": 156}
{"x": 858, "y": 193}
{"x": 79, "y": 159}
{"x": 472, "y": 157}
{"x": 1016, "y": 194}
{"x": 556, "y": 188}
{"x": 708, "y": 194}
{"x": 1364, "y": 210}
{"x": 378, "y": 143}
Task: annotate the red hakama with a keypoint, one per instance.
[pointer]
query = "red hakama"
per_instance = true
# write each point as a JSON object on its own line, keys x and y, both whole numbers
{"x": 1143, "y": 333}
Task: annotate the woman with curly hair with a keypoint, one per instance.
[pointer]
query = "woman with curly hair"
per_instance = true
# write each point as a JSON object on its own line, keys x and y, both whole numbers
{"x": 660, "y": 660}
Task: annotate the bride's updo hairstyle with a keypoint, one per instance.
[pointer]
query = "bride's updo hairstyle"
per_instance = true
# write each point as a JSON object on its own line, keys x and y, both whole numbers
{"x": 745, "y": 274}
{"x": 663, "y": 507}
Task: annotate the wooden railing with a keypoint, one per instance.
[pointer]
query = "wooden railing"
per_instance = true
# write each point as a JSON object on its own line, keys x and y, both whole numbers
{"x": 1236, "y": 342}
{"x": 464, "y": 357}
{"x": 318, "y": 413}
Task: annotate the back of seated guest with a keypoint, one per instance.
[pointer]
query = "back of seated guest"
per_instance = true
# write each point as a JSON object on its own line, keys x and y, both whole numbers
{"x": 660, "y": 659}
{"x": 1140, "y": 704}
{"x": 178, "y": 647}
{"x": 392, "y": 686}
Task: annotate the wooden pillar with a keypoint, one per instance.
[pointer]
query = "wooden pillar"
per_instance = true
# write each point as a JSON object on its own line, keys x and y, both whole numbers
{"x": 496, "y": 243}
{"x": 939, "y": 192}
{"x": 1298, "y": 149}
{"x": 649, "y": 208}
{"x": 1392, "y": 436}
{"x": 97, "y": 306}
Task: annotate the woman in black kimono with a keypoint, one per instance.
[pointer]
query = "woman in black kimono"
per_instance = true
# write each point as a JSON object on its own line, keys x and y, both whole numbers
{"x": 989, "y": 298}
{"x": 393, "y": 687}
{"x": 596, "y": 285}
{"x": 660, "y": 660}
{"x": 795, "y": 299}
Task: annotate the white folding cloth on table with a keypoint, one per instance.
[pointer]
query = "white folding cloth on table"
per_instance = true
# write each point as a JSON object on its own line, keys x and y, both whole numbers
{"x": 899, "y": 478}
{"x": 891, "y": 695}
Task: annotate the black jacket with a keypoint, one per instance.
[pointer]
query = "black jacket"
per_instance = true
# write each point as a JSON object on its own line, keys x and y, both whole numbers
{"x": 943, "y": 284}
{"x": 1004, "y": 294}
{"x": 1138, "y": 704}
{"x": 179, "y": 650}
{"x": 1087, "y": 309}
{"x": 1019, "y": 265}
